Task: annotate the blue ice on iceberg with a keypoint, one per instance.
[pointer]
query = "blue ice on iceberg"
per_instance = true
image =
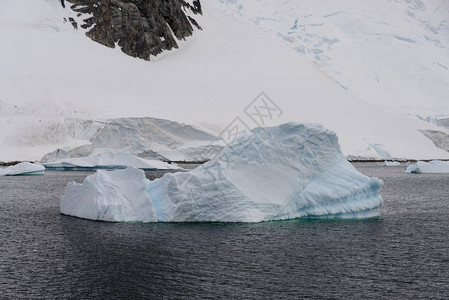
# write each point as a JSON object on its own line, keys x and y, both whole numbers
{"x": 277, "y": 173}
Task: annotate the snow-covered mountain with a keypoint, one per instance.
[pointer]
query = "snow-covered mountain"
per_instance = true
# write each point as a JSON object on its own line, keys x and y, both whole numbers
{"x": 393, "y": 54}
{"x": 51, "y": 74}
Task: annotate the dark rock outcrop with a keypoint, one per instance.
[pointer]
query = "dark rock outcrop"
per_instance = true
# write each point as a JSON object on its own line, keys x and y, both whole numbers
{"x": 140, "y": 27}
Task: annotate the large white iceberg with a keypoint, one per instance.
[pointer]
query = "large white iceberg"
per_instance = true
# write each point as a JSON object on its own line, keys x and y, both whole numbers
{"x": 285, "y": 172}
{"x": 24, "y": 168}
{"x": 109, "y": 160}
{"x": 434, "y": 166}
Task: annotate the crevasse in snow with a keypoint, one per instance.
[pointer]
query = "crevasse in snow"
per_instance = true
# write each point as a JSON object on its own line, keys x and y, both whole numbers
{"x": 284, "y": 172}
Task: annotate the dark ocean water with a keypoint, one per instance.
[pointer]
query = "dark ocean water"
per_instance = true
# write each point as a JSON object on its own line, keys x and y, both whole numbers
{"x": 402, "y": 254}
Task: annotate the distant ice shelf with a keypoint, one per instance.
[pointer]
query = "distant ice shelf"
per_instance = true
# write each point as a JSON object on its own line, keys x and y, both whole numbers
{"x": 277, "y": 173}
{"x": 109, "y": 160}
{"x": 24, "y": 168}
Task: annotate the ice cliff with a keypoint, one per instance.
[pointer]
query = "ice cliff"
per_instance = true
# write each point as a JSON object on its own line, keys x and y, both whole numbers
{"x": 284, "y": 172}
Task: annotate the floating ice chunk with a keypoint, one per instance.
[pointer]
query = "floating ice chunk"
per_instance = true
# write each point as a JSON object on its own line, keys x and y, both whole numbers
{"x": 285, "y": 172}
{"x": 109, "y": 160}
{"x": 391, "y": 163}
{"x": 110, "y": 196}
{"x": 434, "y": 166}
{"x": 24, "y": 168}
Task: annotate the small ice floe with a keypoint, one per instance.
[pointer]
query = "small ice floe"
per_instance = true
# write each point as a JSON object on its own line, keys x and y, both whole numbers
{"x": 391, "y": 163}
{"x": 24, "y": 168}
{"x": 434, "y": 166}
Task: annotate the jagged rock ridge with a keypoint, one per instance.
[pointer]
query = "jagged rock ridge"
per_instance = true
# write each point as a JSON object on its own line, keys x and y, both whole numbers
{"x": 141, "y": 28}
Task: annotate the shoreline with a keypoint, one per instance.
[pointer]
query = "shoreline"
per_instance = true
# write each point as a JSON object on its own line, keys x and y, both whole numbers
{"x": 402, "y": 161}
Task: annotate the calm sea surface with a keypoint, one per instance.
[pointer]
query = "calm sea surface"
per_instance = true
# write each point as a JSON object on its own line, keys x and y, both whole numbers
{"x": 402, "y": 254}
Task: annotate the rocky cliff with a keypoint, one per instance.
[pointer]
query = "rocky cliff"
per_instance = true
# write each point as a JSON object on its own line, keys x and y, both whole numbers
{"x": 141, "y": 28}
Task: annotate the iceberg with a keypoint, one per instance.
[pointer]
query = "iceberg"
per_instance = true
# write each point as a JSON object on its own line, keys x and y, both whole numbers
{"x": 276, "y": 173}
{"x": 434, "y": 166}
{"x": 109, "y": 160}
{"x": 112, "y": 196}
{"x": 24, "y": 168}
{"x": 391, "y": 163}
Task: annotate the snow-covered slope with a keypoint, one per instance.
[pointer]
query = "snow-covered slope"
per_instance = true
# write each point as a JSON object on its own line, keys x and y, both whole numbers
{"x": 50, "y": 73}
{"x": 393, "y": 54}
{"x": 276, "y": 173}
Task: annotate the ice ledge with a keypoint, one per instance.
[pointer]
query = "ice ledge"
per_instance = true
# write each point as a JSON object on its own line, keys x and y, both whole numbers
{"x": 109, "y": 160}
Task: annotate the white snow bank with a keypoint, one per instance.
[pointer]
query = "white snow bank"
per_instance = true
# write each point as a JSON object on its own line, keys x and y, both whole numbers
{"x": 371, "y": 48}
{"x": 435, "y": 166}
{"x": 110, "y": 160}
{"x": 391, "y": 163}
{"x": 24, "y": 168}
{"x": 110, "y": 196}
{"x": 276, "y": 173}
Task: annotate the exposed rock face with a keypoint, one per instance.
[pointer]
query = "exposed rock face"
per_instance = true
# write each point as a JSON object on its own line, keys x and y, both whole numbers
{"x": 140, "y": 27}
